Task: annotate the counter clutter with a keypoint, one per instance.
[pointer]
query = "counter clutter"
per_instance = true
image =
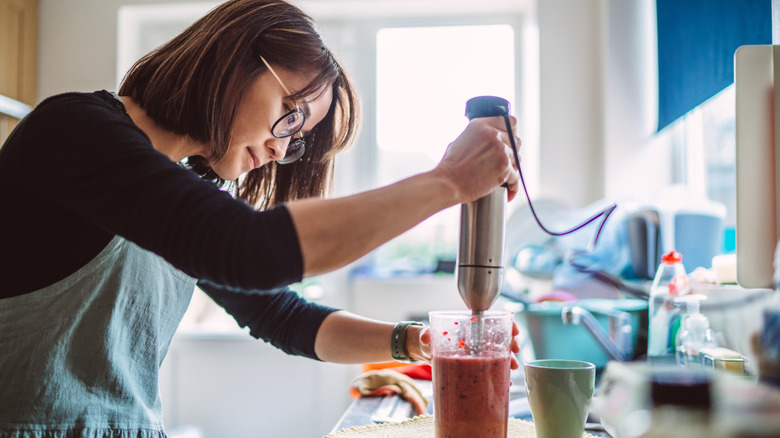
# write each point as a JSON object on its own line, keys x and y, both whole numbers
{"x": 739, "y": 408}
{"x": 654, "y": 400}
{"x": 423, "y": 427}
{"x": 360, "y": 417}
{"x": 714, "y": 392}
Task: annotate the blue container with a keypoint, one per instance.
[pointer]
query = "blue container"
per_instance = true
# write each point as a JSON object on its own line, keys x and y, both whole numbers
{"x": 552, "y": 339}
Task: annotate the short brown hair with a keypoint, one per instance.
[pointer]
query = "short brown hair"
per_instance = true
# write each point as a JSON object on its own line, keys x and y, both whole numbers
{"x": 193, "y": 86}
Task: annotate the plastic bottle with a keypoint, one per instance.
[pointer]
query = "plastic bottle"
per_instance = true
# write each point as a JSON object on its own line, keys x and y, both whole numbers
{"x": 695, "y": 333}
{"x": 670, "y": 282}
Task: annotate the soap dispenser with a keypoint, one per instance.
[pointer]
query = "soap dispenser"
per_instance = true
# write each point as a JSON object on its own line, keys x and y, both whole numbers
{"x": 695, "y": 333}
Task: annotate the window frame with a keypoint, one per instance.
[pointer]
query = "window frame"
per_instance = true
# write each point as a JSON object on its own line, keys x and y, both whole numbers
{"x": 354, "y": 43}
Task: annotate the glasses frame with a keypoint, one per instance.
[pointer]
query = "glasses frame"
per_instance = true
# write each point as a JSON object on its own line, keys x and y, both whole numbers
{"x": 297, "y": 146}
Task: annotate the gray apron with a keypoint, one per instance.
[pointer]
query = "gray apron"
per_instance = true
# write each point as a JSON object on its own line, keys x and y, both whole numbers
{"x": 80, "y": 358}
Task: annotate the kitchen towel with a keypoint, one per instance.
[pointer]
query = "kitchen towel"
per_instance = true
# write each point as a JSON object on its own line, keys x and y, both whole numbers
{"x": 423, "y": 427}
{"x": 388, "y": 381}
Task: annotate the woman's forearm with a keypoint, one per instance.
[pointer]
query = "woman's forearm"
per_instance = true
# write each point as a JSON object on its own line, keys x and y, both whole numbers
{"x": 336, "y": 232}
{"x": 344, "y": 337}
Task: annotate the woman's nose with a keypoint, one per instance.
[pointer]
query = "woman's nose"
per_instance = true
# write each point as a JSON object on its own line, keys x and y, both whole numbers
{"x": 278, "y": 148}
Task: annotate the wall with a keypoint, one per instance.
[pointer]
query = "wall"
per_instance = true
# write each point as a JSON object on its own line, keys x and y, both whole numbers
{"x": 598, "y": 86}
{"x": 571, "y": 100}
{"x": 636, "y": 160}
{"x": 77, "y": 45}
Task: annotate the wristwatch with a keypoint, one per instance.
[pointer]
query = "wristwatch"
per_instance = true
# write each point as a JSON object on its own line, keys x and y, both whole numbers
{"x": 398, "y": 341}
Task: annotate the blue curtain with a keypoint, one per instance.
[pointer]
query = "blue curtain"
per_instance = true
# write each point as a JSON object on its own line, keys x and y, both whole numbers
{"x": 696, "y": 44}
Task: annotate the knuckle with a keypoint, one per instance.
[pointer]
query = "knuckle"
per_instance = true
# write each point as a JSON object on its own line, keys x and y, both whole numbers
{"x": 483, "y": 127}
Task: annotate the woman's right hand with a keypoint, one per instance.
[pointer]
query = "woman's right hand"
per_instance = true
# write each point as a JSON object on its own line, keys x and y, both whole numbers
{"x": 481, "y": 159}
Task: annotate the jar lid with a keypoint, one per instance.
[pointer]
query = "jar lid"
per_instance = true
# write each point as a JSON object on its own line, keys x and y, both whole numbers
{"x": 684, "y": 387}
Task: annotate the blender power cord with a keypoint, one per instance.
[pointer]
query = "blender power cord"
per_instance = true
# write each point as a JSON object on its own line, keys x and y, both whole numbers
{"x": 605, "y": 212}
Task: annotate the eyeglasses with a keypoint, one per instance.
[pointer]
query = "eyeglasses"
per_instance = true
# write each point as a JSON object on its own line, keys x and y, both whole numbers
{"x": 289, "y": 125}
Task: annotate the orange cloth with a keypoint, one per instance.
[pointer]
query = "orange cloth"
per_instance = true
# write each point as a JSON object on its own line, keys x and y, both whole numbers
{"x": 417, "y": 370}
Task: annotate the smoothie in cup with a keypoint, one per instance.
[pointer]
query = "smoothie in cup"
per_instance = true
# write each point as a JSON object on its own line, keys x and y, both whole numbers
{"x": 471, "y": 364}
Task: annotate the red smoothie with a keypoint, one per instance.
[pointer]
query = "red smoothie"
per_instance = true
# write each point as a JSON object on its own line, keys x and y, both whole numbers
{"x": 471, "y": 396}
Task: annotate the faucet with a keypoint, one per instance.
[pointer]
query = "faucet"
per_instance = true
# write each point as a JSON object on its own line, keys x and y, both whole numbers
{"x": 617, "y": 343}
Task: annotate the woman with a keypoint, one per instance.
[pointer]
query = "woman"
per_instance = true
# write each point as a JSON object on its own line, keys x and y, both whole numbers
{"x": 113, "y": 212}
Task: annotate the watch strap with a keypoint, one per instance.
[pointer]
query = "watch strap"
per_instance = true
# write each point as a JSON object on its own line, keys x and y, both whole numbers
{"x": 398, "y": 341}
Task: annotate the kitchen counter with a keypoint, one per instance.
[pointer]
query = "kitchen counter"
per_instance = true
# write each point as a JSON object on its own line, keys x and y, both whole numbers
{"x": 361, "y": 410}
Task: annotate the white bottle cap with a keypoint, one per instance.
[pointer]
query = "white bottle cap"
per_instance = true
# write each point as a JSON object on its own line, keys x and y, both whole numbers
{"x": 694, "y": 321}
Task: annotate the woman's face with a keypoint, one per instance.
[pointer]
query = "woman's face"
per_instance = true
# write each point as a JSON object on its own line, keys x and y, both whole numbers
{"x": 252, "y": 145}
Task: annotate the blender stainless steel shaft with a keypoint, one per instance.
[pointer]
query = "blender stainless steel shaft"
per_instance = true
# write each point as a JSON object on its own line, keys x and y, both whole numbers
{"x": 482, "y": 230}
{"x": 481, "y": 251}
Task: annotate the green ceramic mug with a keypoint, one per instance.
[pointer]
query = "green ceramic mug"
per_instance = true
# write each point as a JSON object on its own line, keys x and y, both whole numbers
{"x": 559, "y": 392}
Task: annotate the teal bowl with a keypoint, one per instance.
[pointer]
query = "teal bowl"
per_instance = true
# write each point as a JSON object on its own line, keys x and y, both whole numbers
{"x": 552, "y": 339}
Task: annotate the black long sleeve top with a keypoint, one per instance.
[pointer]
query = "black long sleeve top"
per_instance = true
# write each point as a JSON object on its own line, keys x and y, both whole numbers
{"x": 77, "y": 171}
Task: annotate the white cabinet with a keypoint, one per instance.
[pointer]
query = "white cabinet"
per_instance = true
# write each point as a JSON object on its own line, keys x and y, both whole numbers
{"x": 226, "y": 384}
{"x": 236, "y": 386}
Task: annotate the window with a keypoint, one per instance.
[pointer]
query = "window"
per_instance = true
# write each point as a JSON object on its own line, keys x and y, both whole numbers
{"x": 141, "y": 28}
{"x": 424, "y": 76}
{"x": 710, "y": 155}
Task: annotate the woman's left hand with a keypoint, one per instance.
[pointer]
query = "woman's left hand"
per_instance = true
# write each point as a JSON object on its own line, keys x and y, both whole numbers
{"x": 422, "y": 349}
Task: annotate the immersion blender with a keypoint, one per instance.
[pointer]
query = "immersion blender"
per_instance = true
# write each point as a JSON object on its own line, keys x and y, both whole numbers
{"x": 483, "y": 225}
{"x": 482, "y": 229}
